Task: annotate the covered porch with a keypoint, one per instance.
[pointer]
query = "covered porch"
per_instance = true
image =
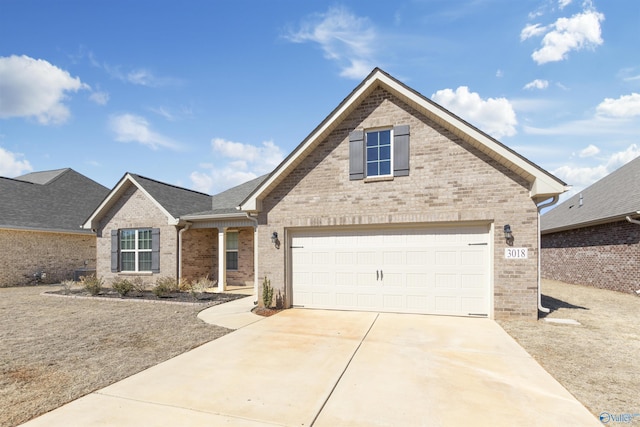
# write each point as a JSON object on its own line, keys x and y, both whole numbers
{"x": 221, "y": 248}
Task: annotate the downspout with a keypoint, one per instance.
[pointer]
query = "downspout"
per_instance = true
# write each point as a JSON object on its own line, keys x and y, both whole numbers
{"x": 185, "y": 228}
{"x": 633, "y": 221}
{"x": 553, "y": 201}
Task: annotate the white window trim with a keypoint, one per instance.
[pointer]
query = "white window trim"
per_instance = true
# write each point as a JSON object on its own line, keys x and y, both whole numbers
{"x": 385, "y": 177}
{"x": 136, "y": 251}
{"x": 227, "y": 250}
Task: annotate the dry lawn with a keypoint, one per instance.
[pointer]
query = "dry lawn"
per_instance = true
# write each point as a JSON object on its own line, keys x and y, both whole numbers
{"x": 598, "y": 361}
{"x": 54, "y": 350}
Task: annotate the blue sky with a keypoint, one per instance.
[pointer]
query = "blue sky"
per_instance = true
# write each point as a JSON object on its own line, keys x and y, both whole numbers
{"x": 209, "y": 94}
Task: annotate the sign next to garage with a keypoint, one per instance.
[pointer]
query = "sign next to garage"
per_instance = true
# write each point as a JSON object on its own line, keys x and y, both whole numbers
{"x": 516, "y": 253}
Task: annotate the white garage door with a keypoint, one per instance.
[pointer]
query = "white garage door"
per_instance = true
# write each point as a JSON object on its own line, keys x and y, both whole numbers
{"x": 427, "y": 270}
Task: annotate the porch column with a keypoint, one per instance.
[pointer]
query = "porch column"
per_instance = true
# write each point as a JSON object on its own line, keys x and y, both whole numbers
{"x": 222, "y": 259}
{"x": 255, "y": 261}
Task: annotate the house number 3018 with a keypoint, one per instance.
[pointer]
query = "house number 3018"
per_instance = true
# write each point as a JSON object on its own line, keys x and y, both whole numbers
{"x": 515, "y": 253}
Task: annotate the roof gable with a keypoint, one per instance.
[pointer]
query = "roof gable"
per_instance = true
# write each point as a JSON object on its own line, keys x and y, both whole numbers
{"x": 543, "y": 184}
{"x": 57, "y": 200}
{"x": 172, "y": 201}
{"x": 612, "y": 198}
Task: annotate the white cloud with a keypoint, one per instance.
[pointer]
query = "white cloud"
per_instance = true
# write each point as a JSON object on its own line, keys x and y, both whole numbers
{"x": 564, "y": 3}
{"x": 494, "y": 116}
{"x": 244, "y": 162}
{"x": 581, "y": 31}
{"x": 499, "y": 74}
{"x": 99, "y": 97}
{"x": 589, "y": 151}
{"x": 11, "y": 165}
{"x": 582, "y": 177}
{"x": 537, "y": 84}
{"x": 625, "y": 106}
{"x": 344, "y": 38}
{"x": 132, "y": 128}
{"x": 532, "y": 30}
{"x": 35, "y": 88}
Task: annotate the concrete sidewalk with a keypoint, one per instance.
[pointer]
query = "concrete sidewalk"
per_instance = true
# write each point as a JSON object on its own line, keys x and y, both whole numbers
{"x": 328, "y": 368}
{"x": 235, "y": 314}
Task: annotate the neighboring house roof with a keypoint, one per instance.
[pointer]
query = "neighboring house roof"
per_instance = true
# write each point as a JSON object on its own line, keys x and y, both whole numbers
{"x": 610, "y": 199}
{"x": 543, "y": 184}
{"x": 57, "y": 200}
{"x": 173, "y": 201}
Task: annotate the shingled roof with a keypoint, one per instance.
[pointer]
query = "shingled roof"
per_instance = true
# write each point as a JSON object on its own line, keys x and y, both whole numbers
{"x": 57, "y": 200}
{"x": 610, "y": 199}
{"x": 228, "y": 201}
{"x": 177, "y": 201}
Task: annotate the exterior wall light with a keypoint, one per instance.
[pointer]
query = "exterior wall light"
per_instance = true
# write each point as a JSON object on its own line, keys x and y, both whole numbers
{"x": 508, "y": 235}
{"x": 275, "y": 240}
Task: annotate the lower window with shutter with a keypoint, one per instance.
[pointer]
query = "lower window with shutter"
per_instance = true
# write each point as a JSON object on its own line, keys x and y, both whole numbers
{"x": 135, "y": 250}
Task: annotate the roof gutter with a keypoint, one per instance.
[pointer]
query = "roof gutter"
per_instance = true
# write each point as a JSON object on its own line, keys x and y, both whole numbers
{"x": 633, "y": 221}
{"x": 541, "y": 206}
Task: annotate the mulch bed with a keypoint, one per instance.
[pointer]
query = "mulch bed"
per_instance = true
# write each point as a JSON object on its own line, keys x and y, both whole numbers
{"x": 266, "y": 312}
{"x": 205, "y": 298}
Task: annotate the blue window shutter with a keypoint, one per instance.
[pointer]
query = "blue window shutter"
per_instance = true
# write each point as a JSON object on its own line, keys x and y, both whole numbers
{"x": 356, "y": 155}
{"x": 155, "y": 250}
{"x": 401, "y": 150}
{"x": 114, "y": 251}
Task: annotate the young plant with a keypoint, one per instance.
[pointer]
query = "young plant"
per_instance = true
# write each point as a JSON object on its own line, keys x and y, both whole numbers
{"x": 66, "y": 286}
{"x": 122, "y": 286}
{"x": 139, "y": 286}
{"x": 165, "y": 286}
{"x": 200, "y": 286}
{"x": 267, "y": 293}
{"x": 92, "y": 284}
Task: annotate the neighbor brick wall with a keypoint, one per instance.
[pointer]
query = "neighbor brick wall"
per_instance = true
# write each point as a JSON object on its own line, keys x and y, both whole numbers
{"x": 604, "y": 256}
{"x": 135, "y": 210}
{"x": 449, "y": 181}
{"x": 200, "y": 255}
{"x": 24, "y": 253}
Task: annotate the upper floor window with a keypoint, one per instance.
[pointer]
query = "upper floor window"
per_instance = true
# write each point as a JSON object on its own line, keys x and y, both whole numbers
{"x": 379, "y": 153}
{"x": 379, "y": 158}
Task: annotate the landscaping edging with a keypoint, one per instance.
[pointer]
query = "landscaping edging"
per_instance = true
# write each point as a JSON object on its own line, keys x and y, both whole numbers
{"x": 196, "y": 303}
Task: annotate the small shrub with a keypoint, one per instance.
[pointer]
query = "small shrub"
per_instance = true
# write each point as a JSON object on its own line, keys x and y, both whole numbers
{"x": 138, "y": 285}
{"x": 267, "y": 292}
{"x": 164, "y": 286}
{"x": 92, "y": 284}
{"x": 66, "y": 286}
{"x": 122, "y": 286}
{"x": 200, "y": 286}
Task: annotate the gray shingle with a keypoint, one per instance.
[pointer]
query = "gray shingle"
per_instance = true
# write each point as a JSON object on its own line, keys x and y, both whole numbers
{"x": 177, "y": 201}
{"x": 227, "y": 201}
{"x": 50, "y": 200}
{"x": 611, "y": 198}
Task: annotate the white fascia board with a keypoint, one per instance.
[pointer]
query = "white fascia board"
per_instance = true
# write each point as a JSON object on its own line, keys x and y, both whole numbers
{"x": 239, "y": 215}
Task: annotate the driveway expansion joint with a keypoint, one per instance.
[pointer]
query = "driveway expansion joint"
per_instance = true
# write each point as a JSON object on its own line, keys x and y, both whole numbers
{"x": 364, "y": 337}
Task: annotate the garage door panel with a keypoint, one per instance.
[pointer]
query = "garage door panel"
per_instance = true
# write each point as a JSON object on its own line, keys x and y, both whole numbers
{"x": 440, "y": 271}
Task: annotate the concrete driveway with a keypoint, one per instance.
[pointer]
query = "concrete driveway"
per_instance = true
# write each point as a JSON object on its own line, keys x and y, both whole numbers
{"x": 333, "y": 368}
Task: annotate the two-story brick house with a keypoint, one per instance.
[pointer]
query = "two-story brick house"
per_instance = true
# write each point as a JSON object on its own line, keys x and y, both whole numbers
{"x": 391, "y": 204}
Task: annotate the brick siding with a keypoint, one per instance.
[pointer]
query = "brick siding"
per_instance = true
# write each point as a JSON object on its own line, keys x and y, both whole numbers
{"x": 200, "y": 256}
{"x": 24, "y": 253}
{"x": 450, "y": 181}
{"x": 134, "y": 210}
{"x": 604, "y": 256}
